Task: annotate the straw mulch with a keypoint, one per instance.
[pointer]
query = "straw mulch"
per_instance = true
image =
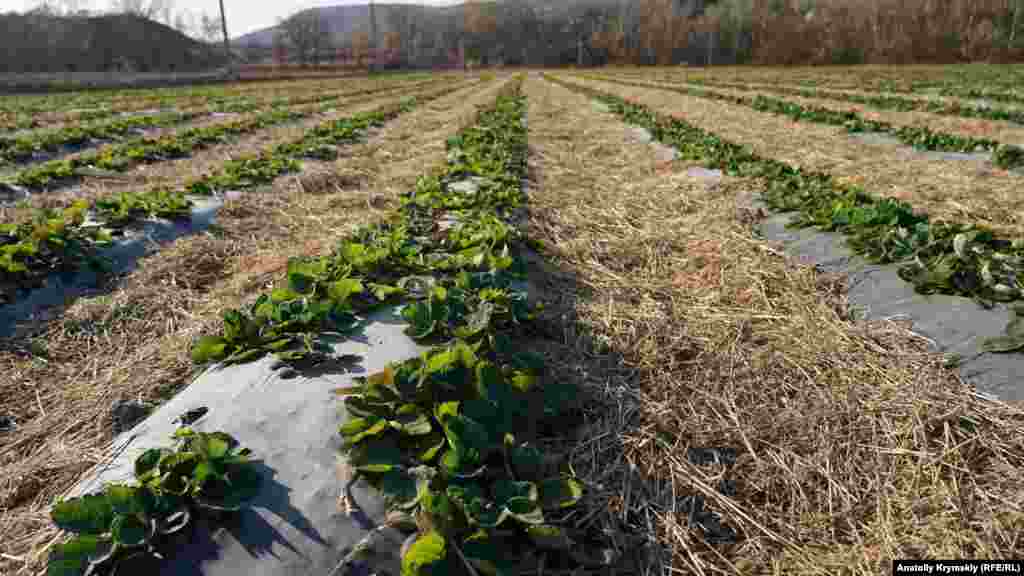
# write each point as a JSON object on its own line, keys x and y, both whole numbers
{"x": 841, "y": 444}
{"x": 1000, "y": 131}
{"x": 174, "y": 174}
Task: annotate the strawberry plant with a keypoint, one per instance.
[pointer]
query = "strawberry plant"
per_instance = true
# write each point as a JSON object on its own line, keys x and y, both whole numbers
{"x": 445, "y": 438}
{"x": 1009, "y": 156}
{"x": 126, "y": 207}
{"x": 282, "y": 327}
{"x": 50, "y": 239}
{"x": 201, "y": 473}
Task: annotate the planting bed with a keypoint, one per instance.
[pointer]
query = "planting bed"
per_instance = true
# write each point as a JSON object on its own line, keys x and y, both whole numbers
{"x": 210, "y": 153}
{"x": 1000, "y": 83}
{"x": 78, "y": 101}
{"x": 944, "y": 106}
{"x": 920, "y": 133}
{"x": 957, "y": 190}
{"x": 925, "y": 102}
{"x": 532, "y": 324}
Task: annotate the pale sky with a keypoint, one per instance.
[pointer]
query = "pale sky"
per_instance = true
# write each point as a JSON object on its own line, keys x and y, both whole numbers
{"x": 243, "y": 16}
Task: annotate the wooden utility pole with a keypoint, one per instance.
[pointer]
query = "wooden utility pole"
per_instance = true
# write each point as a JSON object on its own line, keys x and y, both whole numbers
{"x": 224, "y": 29}
{"x": 1017, "y": 9}
{"x": 373, "y": 36}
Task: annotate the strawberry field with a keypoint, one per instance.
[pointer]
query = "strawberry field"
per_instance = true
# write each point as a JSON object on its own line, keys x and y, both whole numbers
{"x": 593, "y": 321}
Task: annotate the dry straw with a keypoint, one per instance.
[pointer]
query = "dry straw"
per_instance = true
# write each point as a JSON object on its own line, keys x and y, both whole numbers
{"x": 853, "y": 443}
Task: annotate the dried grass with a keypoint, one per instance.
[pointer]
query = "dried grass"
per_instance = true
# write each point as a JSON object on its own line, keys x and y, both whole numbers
{"x": 1000, "y": 131}
{"x": 755, "y": 85}
{"x": 902, "y": 77}
{"x": 962, "y": 190}
{"x": 134, "y": 342}
{"x": 854, "y": 444}
{"x": 833, "y": 79}
{"x": 61, "y": 117}
{"x": 175, "y": 173}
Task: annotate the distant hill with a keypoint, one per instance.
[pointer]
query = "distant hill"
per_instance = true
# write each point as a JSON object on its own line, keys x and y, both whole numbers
{"x": 524, "y": 32}
{"x": 343, "y": 21}
{"x": 42, "y": 43}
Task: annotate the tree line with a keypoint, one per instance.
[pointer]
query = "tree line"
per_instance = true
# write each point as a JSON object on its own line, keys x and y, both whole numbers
{"x": 668, "y": 32}
{"x": 585, "y": 32}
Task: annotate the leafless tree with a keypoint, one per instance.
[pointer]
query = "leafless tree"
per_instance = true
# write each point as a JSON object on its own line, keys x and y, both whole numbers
{"x": 185, "y": 22}
{"x": 166, "y": 13}
{"x": 308, "y": 35}
{"x": 66, "y": 8}
{"x": 151, "y": 9}
{"x": 209, "y": 27}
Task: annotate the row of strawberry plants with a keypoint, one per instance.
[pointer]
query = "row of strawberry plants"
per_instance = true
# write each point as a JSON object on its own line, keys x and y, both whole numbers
{"x": 241, "y": 103}
{"x": 124, "y": 156}
{"x": 61, "y": 239}
{"x": 30, "y": 119}
{"x": 173, "y": 96}
{"x": 885, "y": 101}
{"x": 449, "y": 438}
{"x": 10, "y": 121}
{"x": 935, "y": 256}
{"x": 168, "y": 96}
{"x": 983, "y": 93}
{"x": 921, "y": 137}
{"x": 968, "y": 86}
{"x": 20, "y": 148}
{"x": 320, "y": 143}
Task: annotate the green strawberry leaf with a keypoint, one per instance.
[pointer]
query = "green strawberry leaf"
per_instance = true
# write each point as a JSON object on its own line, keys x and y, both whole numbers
{"x": 427, "y": 556}
{"x": 548, "y": 537}
{"x": 74, "y": 557}
{"x": 560, "y": 492}
{"x": 209, "y": 348}
{"x": 129, "y": 531}
{"x": 89, "y": 514}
